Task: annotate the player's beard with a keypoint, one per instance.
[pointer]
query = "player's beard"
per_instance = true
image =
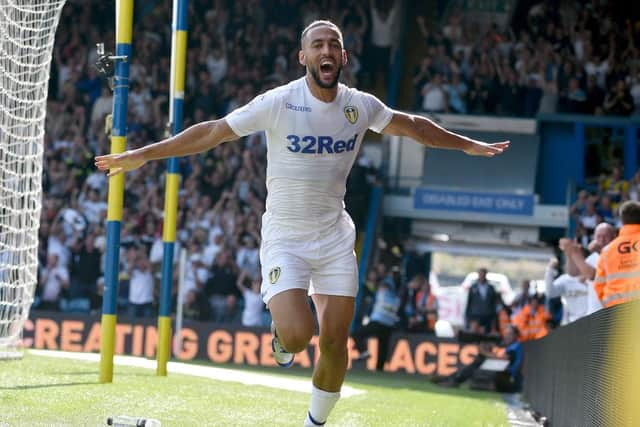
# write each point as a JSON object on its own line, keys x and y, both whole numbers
{"x": 316, "y": 76}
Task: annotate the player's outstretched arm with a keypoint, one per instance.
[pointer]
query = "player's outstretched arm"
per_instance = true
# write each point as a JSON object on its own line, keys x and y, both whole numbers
{"x": 195, "y": 139}
{"x": 430, "y": 134}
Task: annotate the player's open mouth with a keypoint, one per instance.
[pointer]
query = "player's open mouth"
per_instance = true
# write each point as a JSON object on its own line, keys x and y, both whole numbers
{"x": 327, "y": 68}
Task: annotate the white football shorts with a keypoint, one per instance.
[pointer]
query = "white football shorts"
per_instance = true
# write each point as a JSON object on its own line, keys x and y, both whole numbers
{"x": 321, "y": 262}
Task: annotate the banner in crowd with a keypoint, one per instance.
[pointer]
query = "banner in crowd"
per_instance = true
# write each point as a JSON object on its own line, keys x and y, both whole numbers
{"x": 409, "y": 353}
{"x": 491, "y": 203}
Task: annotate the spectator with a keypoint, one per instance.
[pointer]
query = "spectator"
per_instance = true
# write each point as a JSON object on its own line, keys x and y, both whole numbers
{"x": 248, "y": 256}
{"x": 195, "y": 306}
{"x": 102, "y": 107}
{"x": 575, "y": 100}
{"x": 408, "y": 309}
{"x": 422, "y": 77}
{"x": 605, "y": 210}
{"x": 456, "y": 93}
{"x": 141, "y": 285}
{"x": 85, "y": 270}
{"x": 383, "y": 20}
{"x": 573, "y": 288}
{"x": 615, "y": 185}
{"x": 221, "y": 288}
{"x": 579, "y": 207}
{"x": 595, "y": 96}
{"x": 57, "y": 245}
{"x": 532, "y": 96}
{"x": 435, "y": 96}
{"x": 93, "y": 207}
{"x": 504, "y": 317}
{"x": 253, "y": 304}
{"x": 53, "y": 278}
{"x": 384, "y": 317}
{"x": 634, "y": 90}
{"x": 481, "y": 305}
{"x": 590, "y": 217}
{"x": 523, "y": 297}
{"x": 619, "y": 102}
{"x": 426, "y": 309}
{"x": 477, "y": 96}
{"x": 511, "y": 95}
{"x": 196, "y": 274}
{"x": 586, "y": 267}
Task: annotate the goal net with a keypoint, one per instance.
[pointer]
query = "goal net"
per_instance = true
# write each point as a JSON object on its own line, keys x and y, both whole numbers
{"x": 27, "y": 30}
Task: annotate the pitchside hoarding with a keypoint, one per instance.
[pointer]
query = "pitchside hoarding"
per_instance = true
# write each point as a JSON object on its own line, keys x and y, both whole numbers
{"x": 418, "y": 354}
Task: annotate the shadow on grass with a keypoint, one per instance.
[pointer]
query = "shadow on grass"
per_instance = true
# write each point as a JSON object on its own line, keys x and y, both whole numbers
{"x": 361, "y": 376}
{"x": 116, "y": 373}
{"x": 35, "y": 386}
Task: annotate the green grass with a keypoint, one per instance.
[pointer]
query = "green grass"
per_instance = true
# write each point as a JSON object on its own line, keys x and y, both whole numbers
{"x": 42, "y": 391}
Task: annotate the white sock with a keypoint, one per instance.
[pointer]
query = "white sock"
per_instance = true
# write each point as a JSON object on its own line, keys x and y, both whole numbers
{"x": 322, "y": 402}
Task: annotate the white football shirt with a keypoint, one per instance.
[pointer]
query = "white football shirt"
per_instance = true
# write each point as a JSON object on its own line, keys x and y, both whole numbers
{"x": 311, "y": 147}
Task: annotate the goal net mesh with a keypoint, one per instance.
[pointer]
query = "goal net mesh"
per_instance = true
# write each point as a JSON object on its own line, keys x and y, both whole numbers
{"x": 27, "y": 30}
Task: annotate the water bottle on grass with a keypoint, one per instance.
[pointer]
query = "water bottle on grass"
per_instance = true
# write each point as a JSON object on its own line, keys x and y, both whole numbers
{"x": 127, "y": 421}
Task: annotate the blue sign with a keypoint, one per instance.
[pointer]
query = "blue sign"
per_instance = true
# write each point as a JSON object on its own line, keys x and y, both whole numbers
{"x": 490, "y": 203}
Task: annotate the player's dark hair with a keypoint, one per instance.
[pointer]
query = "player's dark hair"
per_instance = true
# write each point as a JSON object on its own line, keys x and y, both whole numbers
{"x": 319, "y": 23}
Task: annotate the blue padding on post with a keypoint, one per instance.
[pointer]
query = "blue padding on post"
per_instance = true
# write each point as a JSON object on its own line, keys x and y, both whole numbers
{"x": 167, "y": 278}
{"x": 369, "y": 238}
{"x": 111, "y": 268}
{"x": 181, "y": 15}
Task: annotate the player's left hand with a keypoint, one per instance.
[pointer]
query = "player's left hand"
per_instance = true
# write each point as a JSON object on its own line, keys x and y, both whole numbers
{"x": 478, "y": 148}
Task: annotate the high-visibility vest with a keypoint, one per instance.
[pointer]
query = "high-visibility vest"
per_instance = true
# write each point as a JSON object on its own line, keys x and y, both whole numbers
{"x": 429, "y": 304}
{"x": 531, "y": 325}
{"x": 503, "y": 321}
{"x": 618, "y": 274}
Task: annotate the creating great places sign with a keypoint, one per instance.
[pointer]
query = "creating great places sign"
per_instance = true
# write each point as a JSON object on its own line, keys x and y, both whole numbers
{"x": 489, "y": 203}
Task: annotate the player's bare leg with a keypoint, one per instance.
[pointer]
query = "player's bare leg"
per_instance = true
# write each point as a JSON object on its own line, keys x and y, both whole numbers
{"x": 292, "y": 318}
{"x": 334, "y": 317}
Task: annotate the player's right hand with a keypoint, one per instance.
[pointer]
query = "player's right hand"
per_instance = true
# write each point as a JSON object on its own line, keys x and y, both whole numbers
{"x": 118, "y": 163}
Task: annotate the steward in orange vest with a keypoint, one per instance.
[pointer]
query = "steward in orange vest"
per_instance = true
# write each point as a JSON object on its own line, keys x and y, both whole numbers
{"x": 427, "y": 307}
{"x": 504, "y": 318}
{"x": 532, "y": 320}
{"x": 618, "y": 274}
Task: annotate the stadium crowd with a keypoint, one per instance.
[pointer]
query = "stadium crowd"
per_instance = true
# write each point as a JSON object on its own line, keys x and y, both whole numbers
{"x": 570, "y": 57}
{"x": 235, "y": 51}
{"x": 239, "y": 49}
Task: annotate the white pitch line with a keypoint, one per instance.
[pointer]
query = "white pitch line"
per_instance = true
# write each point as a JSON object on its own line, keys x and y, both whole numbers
{"x": 222, "y": 374}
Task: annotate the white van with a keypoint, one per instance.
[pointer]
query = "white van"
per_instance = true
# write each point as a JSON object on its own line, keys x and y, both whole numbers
{"x": 452, "y": 300}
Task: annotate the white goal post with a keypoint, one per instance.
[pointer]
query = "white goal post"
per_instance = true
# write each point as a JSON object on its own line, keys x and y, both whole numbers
{"x": 27, "y": 30}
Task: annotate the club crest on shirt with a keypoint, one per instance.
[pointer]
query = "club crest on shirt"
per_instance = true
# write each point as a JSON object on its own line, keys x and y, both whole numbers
{"x": 274, "y": 275}
{"x": 351, "y": 113}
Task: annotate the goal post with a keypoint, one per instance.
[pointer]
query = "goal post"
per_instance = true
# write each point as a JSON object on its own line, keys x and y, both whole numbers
{"x": 27, "y": 31}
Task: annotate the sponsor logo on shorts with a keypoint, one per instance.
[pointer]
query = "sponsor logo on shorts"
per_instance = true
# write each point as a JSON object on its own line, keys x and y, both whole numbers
{"x": 351, "y": 113}
{"x": 274, "y": 275}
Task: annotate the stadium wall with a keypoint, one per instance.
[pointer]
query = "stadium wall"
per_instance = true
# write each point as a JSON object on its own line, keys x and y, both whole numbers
{"x": 586, "y": 373}
{"x": 418, "y": 354}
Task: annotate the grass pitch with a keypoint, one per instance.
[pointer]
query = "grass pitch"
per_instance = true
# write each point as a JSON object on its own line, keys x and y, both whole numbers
{"x": 43, "y": 391}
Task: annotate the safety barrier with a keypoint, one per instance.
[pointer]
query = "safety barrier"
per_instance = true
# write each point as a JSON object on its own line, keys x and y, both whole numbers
{"x": 586, "y": 373}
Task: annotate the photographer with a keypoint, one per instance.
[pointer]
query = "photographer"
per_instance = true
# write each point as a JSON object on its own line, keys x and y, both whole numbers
{"x": 508, "y": 380}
